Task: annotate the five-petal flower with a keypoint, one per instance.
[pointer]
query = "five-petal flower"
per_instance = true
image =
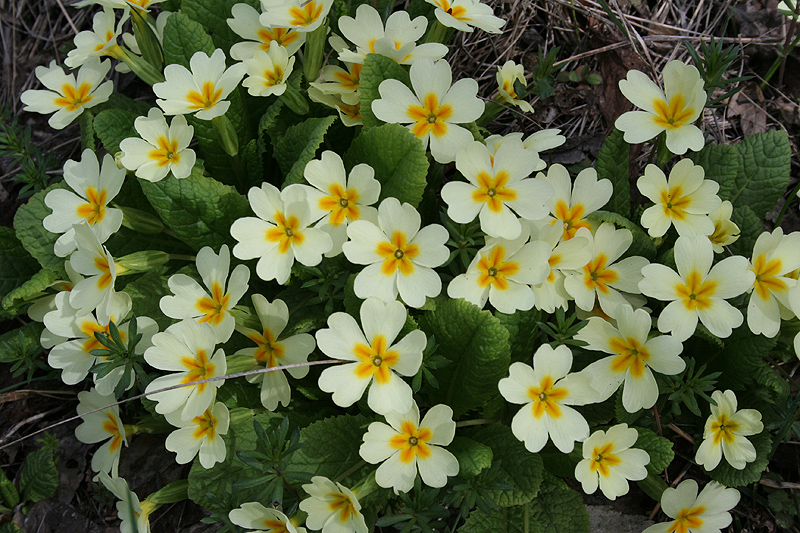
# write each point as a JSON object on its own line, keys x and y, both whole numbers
{"x": 725, "y": 432}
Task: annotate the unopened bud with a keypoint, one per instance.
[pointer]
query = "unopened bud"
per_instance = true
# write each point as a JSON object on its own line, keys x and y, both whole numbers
{"x": 142, "y": 261}
{"x": 140, "y": 221}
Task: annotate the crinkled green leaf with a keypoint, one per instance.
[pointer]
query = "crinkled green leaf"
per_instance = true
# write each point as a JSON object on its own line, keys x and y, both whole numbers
{"x": 559, "y": 463}
{"x": 298, "y": 145}
{"x": 39, "y": 477}
{"x": 376, "y": 69}
{"x": 741, "y": 359}
{"x": 613, "y": 163}
{"x": 20, "y": 343}
{"x": 126, "y": 103}
{"x": 198, "y": 209}
{"x": 729, "y": 476}
{"x": 142, "y": 291}
{"x": 659, "y": 449}
{"x": 750, "y": 227}
{"x": 476, "y": 343}
{"x": 506, "y": 520}
{"x": 764, "y": 167}
{"x": 251, "y": 161}
{"x": 218, "y": 480}
{"x": 113, "y": 126}
{"x": 212, "y": 14}
{"x": 183, "y": 37}
{"x": 330, "y": 446}
{"x": 16, "y": 264}
{"x": 472, "y": 456}
{"x": 721, "y": 164}
{"x": 522, "y": 329}
{"x": 522, "y": 469}
{"x": 398, "y": 159}
{"x": 772, "y": 385}
{"x": 36, "y": 284}
{"x": 642, "y": 244}
{"x": 85, "y": 120}
{"x": 558, "y": 509}
{"x": 34, "y": 238}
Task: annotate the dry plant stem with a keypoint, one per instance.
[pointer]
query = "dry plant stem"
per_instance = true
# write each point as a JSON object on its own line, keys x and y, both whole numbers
{"x": 778, "y": 484}
{"x": 173, "y": 387}
{"x": 680, "y": 432}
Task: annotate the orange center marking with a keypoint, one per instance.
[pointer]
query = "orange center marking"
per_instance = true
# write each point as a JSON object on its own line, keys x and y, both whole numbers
{"x": 674, "y": 203}
{"x": 112, "y": 426}
{"x": 687, "y": 518}
{"x": 350, "y": 80}
{"x": 166, "y": 153}
{"x": 429, "y": 117}
{"x": 282, "y": 36}
{"x": 90, "y": 328}
{"x": 101, "y": 263}
{"x": 397, "y": 254}
{"x": 74, "y": 97}
{"x": 457, "y": 12}
{"x": 603, "y": 458}
{"x": 571, "y": 218}
{"x": 207, "y": 99}
{"x": 545, "y": 398}
{"x": 286, "y": 232}
{"x": 198, "y": 367}
{"x": 767, "y": 280}
{"x": 412, "y": 442}
{"x": 632, "y": 356}
{"x": 493, "y": 270}
{"x": 95, "y": 210}
{"x": 206, "y": 426}
{"x": 375, "y": 359}
{"x": 493, "y": 190}
{"x": 268, "y": 351}
{"x": 341, "y": 203}
{"x": 306, "y": 14}
{"x": 672, "y": 115}
{"x": 596, "y": 276}
{"x": 343, "y": 505}
{"x": 213, "y": 308}
{"x": 696, "y": 295}
{"x": 723, "y": 428}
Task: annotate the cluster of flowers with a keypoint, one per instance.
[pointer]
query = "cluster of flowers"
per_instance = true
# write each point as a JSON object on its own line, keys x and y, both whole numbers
{"x": 541, "y": 251}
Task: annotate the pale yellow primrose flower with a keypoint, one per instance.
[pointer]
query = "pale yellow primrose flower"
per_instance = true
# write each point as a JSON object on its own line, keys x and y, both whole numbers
{"x": 65, "y": 96}
{"x": 546, "y": 391}
{"x": 340, "y": 198}
{"x": 509, "y": 73}
{"x": 332, "y": 507}
{"x": 213, "y": 303}
{"x": 673, "y": 110}
{"x": 245, "y": 23}
{"x": 775, "y": 257}
{"x": 201, "y": 90}
{"x": 94, "y": 187}
{"x": 434, "y": 109}
{"x": 267, "y": 72}
{"x": 202, "y": 435}
{"x": 570, "y": 204}
{"x": 497, "y": 184}
{"x": 271, "y": 350}
{"x": 400, "y": 257}
{"x": 120, "y": 4}
{"x": 502, "y": 272}
{"x": 634, "y": 357}
{"x": 254, "y": 516}
{"x": 406, "y": 445}
{"x": 609, "y": 461}
{"x": 73, "y": 355}
{"x": 725, "y": 432}
{"x": 300, "y": 15}
{"x": 684, "y": 200}
{"x": 93, "y": 261}
{"x": 162, "y": 149}
{"x": 95, "y": 43}
{"x": 603, "y": 279}
{"x": 186, "y": 349}
{"x": 335, "y": 81}
{"x": 349, "y": 113}
{"x": 135, "y": 515}
{"x": 562, "y": 257}
{"x": 725, "y": 231}
{"x": 377, "y": 359}
{"x": 280, "y": 234}
{"x": 697, "y": 291}
{"x": 100, "y": 426}
{"x": 706, "y": 512}
{"x": 464, "y": 14}
{"x": 397, "y": 41}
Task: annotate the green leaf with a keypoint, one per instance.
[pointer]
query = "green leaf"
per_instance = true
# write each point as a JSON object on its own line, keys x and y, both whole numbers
{"x": 218, "y": 480}
{"x": 775, "y": 387}
{"x": 330, "y": 446}
{"x": 398, "y": 159}
{"x": 477, "y": 345}
{"x": 16, "y": 264}
{"x": 721, "y": 164}
{"x": 653, "y": 485}
{"x": 182, "y": 38}
{"x": 613, "y": 163}
{"x": 199, "y": 209}
{"x": 113, "y": 126}
{"x": 741, "y": 359}
{"x": 507, "y": 520}
{"x": 298, "y": 145}
{"x": 8, "y": 491}
{"x": 750, "y": 227}
{"x": 642, "y": 244}
{"x": 376, "y": 69}
{"x": 251, "y": 161}
{"x": 729, "y": 476}
{"x": 39, "y": 477}
{"x": 522, "y": 469}
{"x": 557, "y": 508}
{"x": 141, "y": 291}
{"x": 659, "y": 449}
{"x": 213, "y": 15}
{"x": 472, "y": 456}
{"x": 763, "y": 176}
{"x": 34, "y": 238}
{"x": 85, "y": 121}
{"x": 14, "y": 347}
{"x": 33, "y": 286}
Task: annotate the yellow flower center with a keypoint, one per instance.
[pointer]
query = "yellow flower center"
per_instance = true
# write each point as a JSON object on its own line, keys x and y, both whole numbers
{"x": 206, "y": 426}
{"x": 341, "y": 204}
{"x": 273, "y": 77}
{"x": 268, "y": 351}
{"x": 285, "y": 233}
{"x": 112, "y": 426}
{"x": 74, "y": 97}
{"x": 571, "y": 218}
{"x": 546, "y": 397}
{"x": 342, "y": 504}
{"x": 198, "y": 367}
{"x": 95, "y": 210}
{"x": 166, "y": 153}
{"x": 213, "y": 308}
{"x": 305, "y": 15}
{"x": 674, "y": 114}
{"x": 457, "y": 12}
{"x": 602, "y": 458}
{"x": 282, "y": 36}
{"x": 412, "y": 442}
{"x": 696, "y": 294}
{"x": 493, "y": 190}
{"x": 723, "y": 428}
{"x": 493, "y": 270}
{"x": 350, "y": 80}
{"x": 429, "y": 117}
{"x": 397, "y": 254}
{"x": 687, "y": 518}
{"x": 596, "y": 276}
{"x": 208, "y": 99}
{"x": 375, "y": 360}
{"x": 674, "y": 203}
{"x": 632, "y": 356}
{"x": 767, "y": 280}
